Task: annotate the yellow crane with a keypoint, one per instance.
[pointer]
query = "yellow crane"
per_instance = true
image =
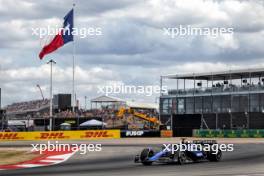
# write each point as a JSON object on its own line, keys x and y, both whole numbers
{"x": 123, "y": 110}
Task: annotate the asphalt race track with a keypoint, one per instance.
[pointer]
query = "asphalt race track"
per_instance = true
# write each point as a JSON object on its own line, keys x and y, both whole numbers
{"x": 117, "y": 160}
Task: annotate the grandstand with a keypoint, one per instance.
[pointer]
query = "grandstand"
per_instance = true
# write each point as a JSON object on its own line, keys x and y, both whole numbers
{"x": 219, "y": 100}
{"x": 27, "y": 107}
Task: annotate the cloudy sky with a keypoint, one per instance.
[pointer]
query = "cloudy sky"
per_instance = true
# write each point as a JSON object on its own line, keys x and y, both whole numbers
{"x": 132, "y": 49}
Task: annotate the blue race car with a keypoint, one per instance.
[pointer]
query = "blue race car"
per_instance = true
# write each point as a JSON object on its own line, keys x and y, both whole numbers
{"x": 169, "y": 155}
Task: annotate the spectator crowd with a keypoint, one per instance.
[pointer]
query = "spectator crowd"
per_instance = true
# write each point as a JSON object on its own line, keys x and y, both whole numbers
{"x": 34, "y": 105}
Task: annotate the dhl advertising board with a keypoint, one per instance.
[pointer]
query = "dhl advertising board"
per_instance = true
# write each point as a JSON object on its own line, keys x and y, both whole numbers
{"x": 60, "y": 135}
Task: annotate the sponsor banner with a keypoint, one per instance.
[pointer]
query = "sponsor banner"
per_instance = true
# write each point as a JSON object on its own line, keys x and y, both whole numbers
{"x": 139, "y": 133}
{"x": 60, "y": 135}
{"x": 166, "y": 133}
{"x": 251, "y": 133}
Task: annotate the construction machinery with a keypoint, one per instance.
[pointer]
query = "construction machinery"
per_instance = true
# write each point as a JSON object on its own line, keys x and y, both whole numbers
{"x": 142, "y": 116}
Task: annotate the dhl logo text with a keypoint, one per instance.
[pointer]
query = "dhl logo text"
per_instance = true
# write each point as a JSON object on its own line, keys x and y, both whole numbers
{"x": 10, "y": 136}
{"x": 52, "y": 135}
{"x": 97, "y": 134}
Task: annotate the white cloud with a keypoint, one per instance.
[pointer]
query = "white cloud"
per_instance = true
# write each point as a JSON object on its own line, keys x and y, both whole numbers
{"x": 132, "y": 49}
{"x": 23, "y": 81}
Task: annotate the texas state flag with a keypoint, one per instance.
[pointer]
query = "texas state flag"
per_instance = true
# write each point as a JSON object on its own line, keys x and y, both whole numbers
{"x": 64, "y": 36}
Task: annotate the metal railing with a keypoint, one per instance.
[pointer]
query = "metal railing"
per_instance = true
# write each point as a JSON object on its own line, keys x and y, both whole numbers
{"x": 217, "y": 90}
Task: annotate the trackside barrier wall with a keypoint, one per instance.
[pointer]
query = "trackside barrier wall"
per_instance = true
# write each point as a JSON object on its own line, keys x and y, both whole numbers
{"x": 60, "y": 135}
{"x": 251, "y": 133}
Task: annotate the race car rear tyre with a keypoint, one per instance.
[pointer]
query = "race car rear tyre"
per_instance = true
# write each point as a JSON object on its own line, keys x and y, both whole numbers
{"x": 145, "y": 155}
{"x": 215, "y": 157}
{"x": 182, "y": 158}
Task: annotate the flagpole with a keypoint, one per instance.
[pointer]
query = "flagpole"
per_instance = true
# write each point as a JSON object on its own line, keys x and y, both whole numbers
{"x": 73, "y": 69}
{"x": 51, "y": 62}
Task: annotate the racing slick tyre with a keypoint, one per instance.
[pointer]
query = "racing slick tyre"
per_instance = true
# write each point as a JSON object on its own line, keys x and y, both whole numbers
{"x": 145, "y": 155}
{"x": 215, "y": 157}
{"x": 182, "y": 158}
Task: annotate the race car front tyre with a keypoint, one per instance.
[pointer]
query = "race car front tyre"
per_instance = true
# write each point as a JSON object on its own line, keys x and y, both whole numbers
{"x": 215, "y": 157}
{"x": 145, "y": 155}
